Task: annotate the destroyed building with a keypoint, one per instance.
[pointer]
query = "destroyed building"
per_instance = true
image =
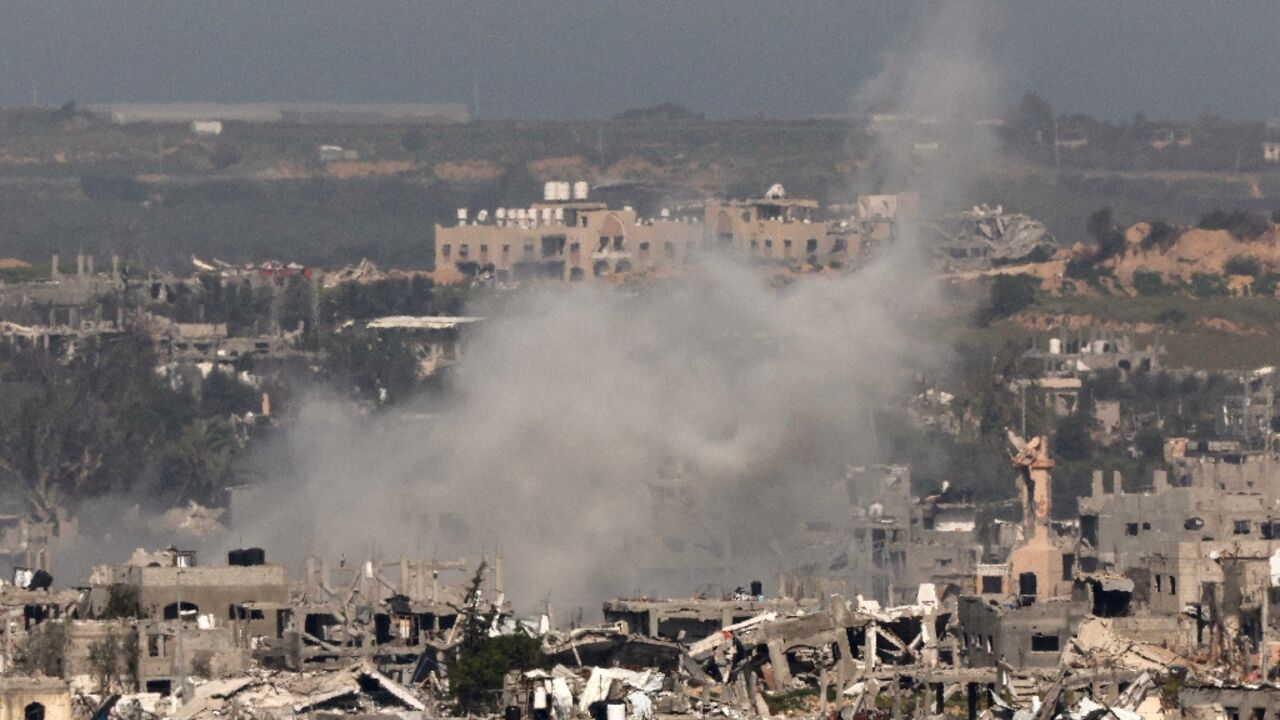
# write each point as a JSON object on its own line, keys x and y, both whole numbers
{"x": 1197, "y": 544}
{"x": 437, "y": 341}
{"x": 1252, "y": 415}
{"x": 985, "y": 237}
{"x": 673, "y": 619}
{"x": 1083, "y": 353}
{"x": 888, "y": 541}
{"x": 1029, "y": 623}
{"x": 170, "y": 585}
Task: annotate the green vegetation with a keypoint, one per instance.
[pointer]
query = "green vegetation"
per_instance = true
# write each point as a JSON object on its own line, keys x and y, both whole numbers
{"x": 1161, "y": 236}
{"x": 1149, "y": 283}
{"x": 1243, "y": 265}
{"x": 481, "y": 662}
{"x": 1205, "y": 285}
{"x": 1242, "y": 224}
{"x": 43, "y": 651}
{"x": 106, "y": 422}
{"x": 122, "y": 602}
{"x": 259, "y": 190}
{"x": 1010, "y": 294}
{"x": 113, "y": 660}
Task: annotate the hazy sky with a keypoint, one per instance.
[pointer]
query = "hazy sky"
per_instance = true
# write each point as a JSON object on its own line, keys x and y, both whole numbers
{"x": 568, "y": 58}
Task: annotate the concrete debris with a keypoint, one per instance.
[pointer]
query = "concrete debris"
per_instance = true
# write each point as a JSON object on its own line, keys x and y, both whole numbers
{"x": 1097, "y": 645}
{"x": 986, "y": 237}
{"x": 363, "y": 272}
{"x": 193, "y": 520}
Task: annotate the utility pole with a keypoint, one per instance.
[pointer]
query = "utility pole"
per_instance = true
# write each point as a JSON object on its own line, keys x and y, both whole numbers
{"x": 182, "y": 661}
{"x": 1024, "y": 411}
{"x": 1265, "y": 654}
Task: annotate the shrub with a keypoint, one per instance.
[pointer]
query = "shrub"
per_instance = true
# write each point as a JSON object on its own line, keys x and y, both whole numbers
{"x": 1072, "y": 441}
{"x": 122, "y": 600}
{"x": 1148, "y": 283}
{"x": 1243, "y": 265}
{"x": 43, "y": 650}
{"x": 1172, "y": 316}
{"x": 1082, "y": 268}
{"x": 1208, "y": 285}
{"x": 1009, "y": 294}
{"x": 1150, "y": 443}
{"x": 1265, "y": 284}
{"x": 475, "y": 678}
{"x": 1242, "y": 224}
{"x": 1162, "y": 236}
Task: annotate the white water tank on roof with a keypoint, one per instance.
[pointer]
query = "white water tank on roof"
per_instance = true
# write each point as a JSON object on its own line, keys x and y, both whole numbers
{"x": 580, "y": 190}
{"x": 462, "y": 215}
{"x": 565, "y": 191}
{"x": 1055, "y": 346}
{"x": 549, "y": 190}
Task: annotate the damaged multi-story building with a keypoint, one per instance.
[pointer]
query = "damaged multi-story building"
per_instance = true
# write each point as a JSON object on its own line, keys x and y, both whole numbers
{"x": 569, "y": 236}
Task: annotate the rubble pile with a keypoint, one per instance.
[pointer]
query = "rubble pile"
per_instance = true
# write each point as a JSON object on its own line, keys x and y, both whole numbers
{"x": 986, "y": 236}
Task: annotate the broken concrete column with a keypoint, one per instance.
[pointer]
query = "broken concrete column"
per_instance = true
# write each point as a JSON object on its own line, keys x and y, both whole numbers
{"x": 115, "y": 267}
{"x": 822, "y": 692}
{"x": 309, "y": 571}
{"x": 781, "y": 667}
{"x": 1099, "y": 487}
{"x": 1117, "y": 484}
{"x": 844, "y": 666}
{"x": 869, "y": 650}
{"x": 53, "y": 268}
{"x": 79, "y": 264}
{"x": 88, "y": 267}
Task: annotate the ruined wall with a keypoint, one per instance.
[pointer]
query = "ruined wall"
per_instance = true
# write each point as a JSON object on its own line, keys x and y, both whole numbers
{"x": 204, "y": 652}
{"x": 212, "y": 589}
{"x": 1031, "y": 636}
{"x": 81, "y": 637}
{"x": 17, "y": 693}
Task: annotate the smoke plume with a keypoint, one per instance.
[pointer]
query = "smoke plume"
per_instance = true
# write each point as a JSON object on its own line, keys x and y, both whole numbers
{"x": 611, "y": 441}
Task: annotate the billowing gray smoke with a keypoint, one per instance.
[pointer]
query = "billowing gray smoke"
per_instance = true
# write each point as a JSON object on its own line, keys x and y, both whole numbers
{"x": 610, "y": 441}
{"x": 603, "y": 439}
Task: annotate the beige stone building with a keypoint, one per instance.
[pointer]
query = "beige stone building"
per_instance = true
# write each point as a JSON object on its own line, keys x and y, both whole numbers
{"x": 28, "y": 698}
{"x": 565, "y": 239}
